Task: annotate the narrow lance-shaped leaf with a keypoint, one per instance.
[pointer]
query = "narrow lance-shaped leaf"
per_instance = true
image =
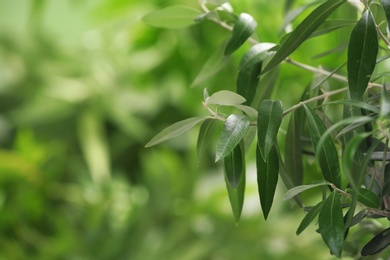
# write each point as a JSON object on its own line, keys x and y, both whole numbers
{"x": 331, "y": 223}
{"x": 298, "y": 189}
{"x": 303, "y": 31}
{"x": 377, "y": 244}
{"x": 386, "y": 6}
{"x": 257, "y": 53}
{"x": 267, "y": 178}
{"x": 175, "y": 130}
{"x": 206, "y": 132}
{"x": 310, "y": 216}
{"x": 234, "y": 166}
{"x": 247, "y": 82}
{"x": 173, "y": 17}
{"x": 327, "y": 155}
{"x": 242, "y": 30}
{"x": 368, "y": 198}
{"x": 362, "y": 52}
{"x": 233, "y": 131}
{"x": 268, "y": 122}
{"x": 225, "y": 98}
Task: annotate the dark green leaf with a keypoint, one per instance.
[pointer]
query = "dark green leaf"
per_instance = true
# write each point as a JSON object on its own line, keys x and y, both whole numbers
{"x": 242, "y": 30}
{"x": 303, "y": 31}
{"x": 173, "y": 17}
{"x": 233, "y": 131}
{"x": 256, "y": 54}
{"x": 267, "y": 178}
{"x": 310, "y": 216}
{"x": 234, "y": 166}
{"x": 377, "y": 244}
{"x": 331, "y": 25}
{"x": 362, "y": 52}
{"x": 298, "y": 189}
{"x": 327, "y": 154}
{"x": 175, "y": 130}
{"x": 225, "y": 98}
{"x": 247, "y": 82}
{"x": 268, "y": 122}
{"x": 293, "y": 14}
{"x": 206, "y": 132}
{"x": 267, "y": 84}
{"x": 331, "y": 223}
{"x": 368, "y": 198}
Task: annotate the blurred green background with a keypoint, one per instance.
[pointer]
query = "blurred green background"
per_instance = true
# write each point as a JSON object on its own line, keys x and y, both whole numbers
{"x": 84, "y": 85}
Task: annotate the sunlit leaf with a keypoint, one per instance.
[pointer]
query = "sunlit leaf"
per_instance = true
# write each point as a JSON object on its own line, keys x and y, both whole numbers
{"x": 377, "y": 243}
{"x": 362, "y": 52}
{"x": 331, "y": 223}
{"x": 234, "y": 166}
{"x": 268, "y": 123}
{"x": 327, "y": 155}
{"x": 303, "y": 31}
{"x": 309, "y": 217}
{"x": 173, "y": 17}
{"x": 225, "y": 98}
{"x": 257, "y": 53}
{"x": 206, "y": 132}
{"x": 267, "y": 178}
{"x": 175, "y": 130}
{"x": 298, "y": 189}
{"x": 249, "y": 111}
{"x": 385, "y": 103}
{"x": 233, "y": 131}
{"x": 247, "y": 82}
{"x": 242, "y": 30}
{"x": 368, "y": 198}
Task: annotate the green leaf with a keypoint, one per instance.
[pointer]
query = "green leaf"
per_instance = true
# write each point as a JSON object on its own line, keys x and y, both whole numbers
{"x": 331, "y": 224}
{"x": 268, "y": 122}
{"x": 298, "y": 189}
{"x": 175, "y": 130}
{"x": 212, "y": 66}
{"x": 233, "y": 131}
{"x": 293, "y": 14}
{"x": 327, "y": 154}
{"x": 309, "y": 217}
{"x": 267, "y": 84}
{"x": 173, "y": 17}
{"x": 377, "y": 243}
{"x": 247, "y": 82}
{"x": 368, "y": 198}
{"x": 216, "y": 2}
{"x": 362, "y": 52}
{"x": 331, "y": 25}
{"x": 386, "y": 6}
{"x": 234, "y": 166}
{"x": 303, "y": 31}
{"x": 242, "y": 30}
{"x": 385, "y": 103}
{"x": 225, "y": 98}
{"x": 249, "y": 111}
{"x": 206, "y": 132}
{"x": 257, "y": 53}
{"x": 267, "y": 178}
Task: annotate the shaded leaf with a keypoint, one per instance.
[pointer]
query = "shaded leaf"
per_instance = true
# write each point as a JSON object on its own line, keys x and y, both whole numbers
{"x": 173, "y": 17}
{"x": 327, "y": 154}
{"x": 298, "y": 189}
{"x": 206, "y": 132}
{"x": 268, "y": 122}
{"x": 225, "y": 98}
{"x": 309, "y": 217}
{"x": 247, "y": 82}
{"x": 242, "y": 30}
{"x": 175, "y": 130}
{"x": 303, "y": 31}
{"x": 368, "y": 198}
{"x": 377, "y": 243}
{"x": 234, "y": 129}
{"x": 362, "y": 52}
{"x": 386, "y": 6}
{"x": 234, "y": 166}
{"x": 266, "y": 86}
{"x": 267, "y": 178}
{"x": 331, "y": 25}
{"x": 331, "y": 223}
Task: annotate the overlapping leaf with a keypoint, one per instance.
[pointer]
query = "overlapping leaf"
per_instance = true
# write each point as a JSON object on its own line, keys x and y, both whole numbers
{"x": 242, "y": 30}
{"x": 206, "y": 132}
{"x": 173, "y": 17}
{"x": 247, "y": 82}
{"x": 257, "y": 53}
{"x": 386, "y": 6}
{"x": 225, "y": 98}
{"x": 303, "y": 31}
{"x": 368, "y": 198}
{"x": 310, "y": 216}
{"x": 267, "y": 178}
{"x": 331, "y": 223}
{"x": 268, "y": 122}
{"x": 233, "y": 131}
{"x": 298, "y": 189}
{"x": 362, "y": 52}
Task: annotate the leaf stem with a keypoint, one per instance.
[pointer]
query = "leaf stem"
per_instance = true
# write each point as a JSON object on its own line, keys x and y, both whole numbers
{"x": 213, "y": 114}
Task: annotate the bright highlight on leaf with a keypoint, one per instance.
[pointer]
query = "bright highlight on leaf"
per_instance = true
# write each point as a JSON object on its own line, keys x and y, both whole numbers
{"x": 225, "y": 98}
{"x": 242, "y": 30}
{"x": 173, "y": 17}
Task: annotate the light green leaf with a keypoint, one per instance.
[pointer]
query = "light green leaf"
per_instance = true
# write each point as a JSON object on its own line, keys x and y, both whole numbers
{"x": 386, "y": 6}
{"x": 368, "y": 198}
{"x": 249, "y": 111}
{"x": 175, "y": 130}
{"x": 309, "y": 217}
{"x": 298, "y": 189}
{"x": 233, "y": 131}
{"x": 206, "y": 132}
{"x": 216, "y": 2}
{"x": 257, "y": 53}
{"x": 267, "y": 178}
{"x": 173, "y": 17}
{"x": 362, "y": 52}
{"x": 303, "y": 31}
{"x": 327, "y": 154}
{"x": 385, "y": 103}
{"x": 242, "y": 30}
{"x": 234, "y": 166}
{"x": 293, "y": 14}
{"x": 331, "y": 25}
{"x": 247, "y": 82}
{"x": 268, "y": 123}
{"x": 331, "y": 224}
{"x": 377, "y": 243}
{"x": 225, "y": 98}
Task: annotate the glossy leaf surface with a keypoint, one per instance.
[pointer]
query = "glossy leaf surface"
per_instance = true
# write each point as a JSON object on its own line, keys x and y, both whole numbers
{"x": 257, "y": 53}
{"x": 247, "y": 82}
{"x": 377, "y": 244}
{"x": 242, "y": 30}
